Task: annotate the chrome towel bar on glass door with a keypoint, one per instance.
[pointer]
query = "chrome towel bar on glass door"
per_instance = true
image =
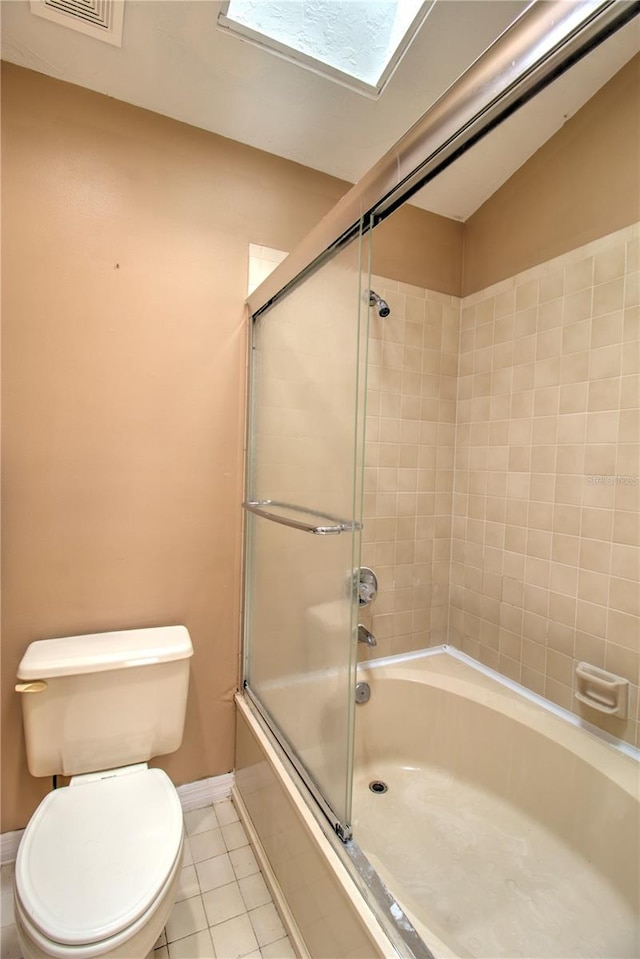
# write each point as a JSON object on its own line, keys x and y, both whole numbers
{"x": 264, "y": 507}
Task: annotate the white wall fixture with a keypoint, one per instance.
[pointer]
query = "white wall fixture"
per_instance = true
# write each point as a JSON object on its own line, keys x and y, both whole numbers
{"x": 601, "y": 690}
{"x": 101, "y": 19}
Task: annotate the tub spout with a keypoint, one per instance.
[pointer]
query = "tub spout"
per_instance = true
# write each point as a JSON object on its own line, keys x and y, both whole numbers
{"x": 364, "y": 636}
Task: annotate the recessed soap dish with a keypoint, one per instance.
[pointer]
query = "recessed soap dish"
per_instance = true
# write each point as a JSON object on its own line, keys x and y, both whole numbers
{"x": 601, "y": 690}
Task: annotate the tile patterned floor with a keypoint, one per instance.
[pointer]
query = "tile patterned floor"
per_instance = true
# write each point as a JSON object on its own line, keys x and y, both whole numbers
{"x": 223, "y": 907}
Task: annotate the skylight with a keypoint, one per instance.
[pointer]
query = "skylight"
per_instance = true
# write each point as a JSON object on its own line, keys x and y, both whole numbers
{"x": 357, "y": 42}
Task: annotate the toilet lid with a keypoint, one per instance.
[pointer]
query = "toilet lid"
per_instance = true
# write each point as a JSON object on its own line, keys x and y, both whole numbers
{"x": 94, "y": 856}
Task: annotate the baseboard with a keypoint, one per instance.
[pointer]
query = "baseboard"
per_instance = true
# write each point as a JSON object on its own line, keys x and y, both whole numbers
{"x": 9, "y": 842}
{"x": 205, "y": 791}
{"x": 192, "y": 796}
{"x": 289, "y": 922}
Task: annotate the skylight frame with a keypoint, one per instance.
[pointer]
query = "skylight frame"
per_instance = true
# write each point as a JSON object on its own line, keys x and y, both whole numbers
{"x": 312, "y": 64}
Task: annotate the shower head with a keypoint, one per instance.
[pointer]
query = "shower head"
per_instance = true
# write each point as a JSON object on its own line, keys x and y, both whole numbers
{"x": 381, "y": 305}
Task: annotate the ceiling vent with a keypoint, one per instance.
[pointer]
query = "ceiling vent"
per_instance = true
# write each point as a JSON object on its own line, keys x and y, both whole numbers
{"x": 101, "y": 19}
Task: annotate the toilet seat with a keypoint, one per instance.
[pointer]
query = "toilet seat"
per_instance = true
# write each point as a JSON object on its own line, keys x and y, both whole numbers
{"x": 96, "y": 856}
{"x": 124, "y": 945}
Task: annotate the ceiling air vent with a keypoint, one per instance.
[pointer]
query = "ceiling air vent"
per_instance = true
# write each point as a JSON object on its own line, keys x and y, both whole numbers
{"x": 101, "y": 19}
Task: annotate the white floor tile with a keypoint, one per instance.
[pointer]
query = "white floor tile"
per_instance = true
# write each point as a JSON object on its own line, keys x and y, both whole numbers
{"x": 280, "y": 949}
{"x": 266, "y": 924}
{"x": 215, "y": 872}
{"x": 187, "y": 858}
{"x": 6, "y": 875}
{"x": 10, "y": 947}
{"x": 219, "y": 883}
{"x": 234, "y": 836}
{"x": 226, "y": 812}
{"x": 234, "y": 938}
{"x": 188, "y": 886}
{"x": 6, "y": 907}
{"x": 200, "y": 820}
{"x": 206, "y": 845}
{"x": 244, "y": 862}
{"x": 186, "y": 918}
{"x": 198, "y": 946}
{"x": 254, "y": 891}
{"x": 6, "y": 894}
{"x": 223, "y": 903}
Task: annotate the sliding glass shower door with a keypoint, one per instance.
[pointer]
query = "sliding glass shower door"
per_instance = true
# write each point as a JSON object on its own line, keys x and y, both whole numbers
{"x": 304, "y": 520}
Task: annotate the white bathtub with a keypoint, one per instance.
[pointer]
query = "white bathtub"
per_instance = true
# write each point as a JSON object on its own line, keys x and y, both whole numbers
{"x": 508, "y": 829}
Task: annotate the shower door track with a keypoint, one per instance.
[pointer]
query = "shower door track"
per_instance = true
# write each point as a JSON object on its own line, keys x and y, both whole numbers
{"x": 342, "y": 830}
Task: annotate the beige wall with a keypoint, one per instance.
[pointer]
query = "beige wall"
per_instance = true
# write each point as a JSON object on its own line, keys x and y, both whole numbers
{"x": 421, "y": 249}
{"x": 125, "y": 248}
{"x": 580, "y": 185}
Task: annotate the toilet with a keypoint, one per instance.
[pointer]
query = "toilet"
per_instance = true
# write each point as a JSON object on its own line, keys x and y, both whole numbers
{"x": 100, "y": 859}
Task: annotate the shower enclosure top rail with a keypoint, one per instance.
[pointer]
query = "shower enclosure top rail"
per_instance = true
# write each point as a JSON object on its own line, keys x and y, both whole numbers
{"x": 337, "y": 525}
{"x": 543, "y": 42}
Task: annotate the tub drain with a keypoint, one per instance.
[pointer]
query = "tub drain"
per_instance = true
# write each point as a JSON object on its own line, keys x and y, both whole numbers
{"x": 377, "y": 786}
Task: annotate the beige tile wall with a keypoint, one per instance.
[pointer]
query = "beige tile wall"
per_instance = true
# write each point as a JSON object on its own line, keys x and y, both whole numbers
{"x": 546, "y": 529}
{"x": 409, "y": 459}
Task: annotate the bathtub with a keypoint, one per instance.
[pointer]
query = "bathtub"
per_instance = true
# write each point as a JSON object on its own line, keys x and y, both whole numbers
{"x": 508, "y": 827}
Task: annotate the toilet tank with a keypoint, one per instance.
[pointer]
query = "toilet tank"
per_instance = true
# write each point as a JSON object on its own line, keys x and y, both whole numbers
{"x": 104, "y": 700}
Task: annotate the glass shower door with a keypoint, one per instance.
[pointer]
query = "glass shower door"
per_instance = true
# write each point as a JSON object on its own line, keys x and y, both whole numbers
{"x": 304, "y": 517}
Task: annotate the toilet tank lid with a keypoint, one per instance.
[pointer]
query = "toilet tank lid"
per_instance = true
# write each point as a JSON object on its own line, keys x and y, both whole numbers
{"x": 99, "y": 652}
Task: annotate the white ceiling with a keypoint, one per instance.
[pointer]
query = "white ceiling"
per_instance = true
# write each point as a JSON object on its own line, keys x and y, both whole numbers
{"x": 175, "y": 61}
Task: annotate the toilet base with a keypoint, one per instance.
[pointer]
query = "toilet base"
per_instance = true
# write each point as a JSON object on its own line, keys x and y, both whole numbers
{"x": 144, "y": 932}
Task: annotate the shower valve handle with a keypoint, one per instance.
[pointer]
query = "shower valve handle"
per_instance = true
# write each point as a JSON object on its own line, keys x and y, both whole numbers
{"x": 367, "y": 585}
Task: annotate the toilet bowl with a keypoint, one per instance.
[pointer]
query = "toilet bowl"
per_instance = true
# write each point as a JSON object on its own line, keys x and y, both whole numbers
{"x": 99, "y": 861}
{"x": 98, "y": 865}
